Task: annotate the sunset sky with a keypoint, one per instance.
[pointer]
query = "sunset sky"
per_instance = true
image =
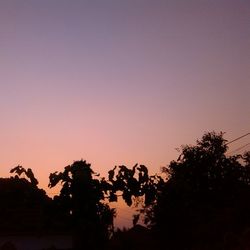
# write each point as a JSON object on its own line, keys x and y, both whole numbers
{"x": 119, "y": 82}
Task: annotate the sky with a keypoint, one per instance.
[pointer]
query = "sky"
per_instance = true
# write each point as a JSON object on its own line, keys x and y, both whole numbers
{"x": 119, "y": 82}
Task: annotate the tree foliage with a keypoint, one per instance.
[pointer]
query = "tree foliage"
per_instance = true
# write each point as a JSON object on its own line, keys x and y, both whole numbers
{"x": 205, "y": 198}
{"x": 133, "y": 183}
{"x": 82, "y": 198}
{"x": 19, "y": 171}
{"x": 202, "y": 204}
{"x": 23, "y": 205}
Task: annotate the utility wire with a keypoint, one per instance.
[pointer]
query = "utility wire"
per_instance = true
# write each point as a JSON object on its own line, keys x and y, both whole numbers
{"x": 238, "y": 138}
{"x": 238, "y": 149}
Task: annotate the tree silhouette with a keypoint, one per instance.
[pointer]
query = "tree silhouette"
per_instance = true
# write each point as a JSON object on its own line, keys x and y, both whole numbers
{"x": 205, "y": 198}
{"x": 82, "y": 197}
{"x": 23, "y": 205}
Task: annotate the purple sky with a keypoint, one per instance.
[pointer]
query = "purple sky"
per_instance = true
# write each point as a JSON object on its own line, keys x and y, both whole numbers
{"x": 119, "y": 82}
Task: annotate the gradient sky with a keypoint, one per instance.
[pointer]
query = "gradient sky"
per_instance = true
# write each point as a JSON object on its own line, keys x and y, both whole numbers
{"x": 119, "y": 82}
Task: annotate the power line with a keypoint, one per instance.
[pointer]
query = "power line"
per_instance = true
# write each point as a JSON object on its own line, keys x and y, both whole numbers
{"x": 238, "y": 138}
{"x": 237, "y": 149}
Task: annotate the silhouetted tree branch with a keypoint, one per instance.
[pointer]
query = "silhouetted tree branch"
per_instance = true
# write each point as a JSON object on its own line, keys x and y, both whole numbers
{"x": 19, "y": 170}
